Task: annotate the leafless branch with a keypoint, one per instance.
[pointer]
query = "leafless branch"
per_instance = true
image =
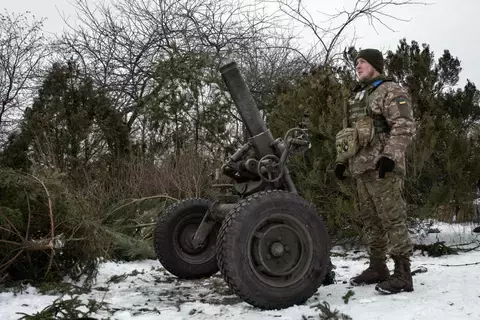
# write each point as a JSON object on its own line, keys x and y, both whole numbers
{"x": 123, "y": 44}
{"x": 22, "y": 50}
{"x": 329, "y": 35}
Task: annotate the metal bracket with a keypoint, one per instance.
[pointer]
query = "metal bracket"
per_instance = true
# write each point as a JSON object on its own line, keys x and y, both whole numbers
{"x": 204, "y": 228}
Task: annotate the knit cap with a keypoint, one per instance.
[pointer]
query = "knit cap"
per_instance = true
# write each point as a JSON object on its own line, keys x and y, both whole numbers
{"x": 372, "y": 56}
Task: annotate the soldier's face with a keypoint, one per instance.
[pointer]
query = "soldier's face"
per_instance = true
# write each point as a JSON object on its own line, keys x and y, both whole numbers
{"x": 364, "y": 70}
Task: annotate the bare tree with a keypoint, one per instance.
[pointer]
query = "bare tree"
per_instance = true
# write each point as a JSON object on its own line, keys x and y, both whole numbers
{"x": 138, "y": 52}
{"x": 330, "y": 33}
{"x": 22, "y": 50}
{"x": 132, "y": 49}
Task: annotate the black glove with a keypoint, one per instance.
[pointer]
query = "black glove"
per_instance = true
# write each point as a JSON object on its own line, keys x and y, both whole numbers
{"x": 339, "y": 170}
{"x": 384, "y": 165}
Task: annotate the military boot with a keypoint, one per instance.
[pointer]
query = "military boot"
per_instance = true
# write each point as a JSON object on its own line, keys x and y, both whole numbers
{"x": 375, "y": 273}
{"x": 400, "y": 281}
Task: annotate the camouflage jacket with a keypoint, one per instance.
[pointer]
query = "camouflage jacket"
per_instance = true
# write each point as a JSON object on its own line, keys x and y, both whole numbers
{"x": 393, "y": 102}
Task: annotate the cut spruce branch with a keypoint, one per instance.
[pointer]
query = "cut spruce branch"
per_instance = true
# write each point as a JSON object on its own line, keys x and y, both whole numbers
{"x": 137, "y": 201}
{"x": 28, "y": 245}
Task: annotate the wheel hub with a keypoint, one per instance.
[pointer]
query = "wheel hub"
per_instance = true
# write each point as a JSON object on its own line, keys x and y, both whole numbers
{"x": 185, "y": 231}
{"x": 279, "y": 252}
{"x": 277, "y": 249}
{"x": 272, "y": 253}
{"x": 185, "y": 239}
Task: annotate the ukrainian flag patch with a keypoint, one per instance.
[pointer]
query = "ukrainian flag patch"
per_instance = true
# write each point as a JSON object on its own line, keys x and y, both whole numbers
{"x": 403, "y": 107}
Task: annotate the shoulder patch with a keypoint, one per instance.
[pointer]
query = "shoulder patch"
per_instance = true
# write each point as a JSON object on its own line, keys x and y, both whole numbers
{"x": 402, "y": 106}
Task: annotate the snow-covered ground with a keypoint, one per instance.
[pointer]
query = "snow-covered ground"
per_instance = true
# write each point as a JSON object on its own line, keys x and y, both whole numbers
{"x": 450, "y": 289}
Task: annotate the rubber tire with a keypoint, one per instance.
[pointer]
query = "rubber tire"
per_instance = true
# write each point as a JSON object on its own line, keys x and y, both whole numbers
{"x": 165, "y": 240}
{"x": 232, "y": 243}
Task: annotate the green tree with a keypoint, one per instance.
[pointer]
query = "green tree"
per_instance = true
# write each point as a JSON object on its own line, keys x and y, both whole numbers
{"x": 443, "y": 157}
{"x": 67, "y": 126}
{"x": 442, "y": 160}
{"x": 187, "y": 107}
{"x": 318, "y": 95}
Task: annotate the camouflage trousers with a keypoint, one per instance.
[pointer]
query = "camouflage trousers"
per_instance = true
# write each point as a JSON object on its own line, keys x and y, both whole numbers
{"x": 383, "y": 213}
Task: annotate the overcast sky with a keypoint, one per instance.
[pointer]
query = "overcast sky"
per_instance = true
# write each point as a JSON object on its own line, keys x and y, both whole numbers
{"x": 445, "y": 24}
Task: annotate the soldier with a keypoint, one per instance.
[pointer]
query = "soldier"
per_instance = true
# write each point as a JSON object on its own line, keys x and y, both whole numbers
{"x": 378, "y": 128}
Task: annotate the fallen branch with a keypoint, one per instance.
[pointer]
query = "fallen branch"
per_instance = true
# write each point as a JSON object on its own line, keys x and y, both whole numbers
{"x": 50, "y": 210}
{"x": 436, "y": 249}
{"x": 29, "y": 214}
{"x": 38, "y": 245}
{"x": 52, "y": 225}
{"x": 26, "y": 245}
{"x": 10, "y": 242}
{"x": 466, "y": 244}
{"x": 141, "y": 225}
{"x": 13, "y": 227}
{"x": 133, "y": 201}
{"x": 460, "y": 265}
{"x": 470, "y": 249}
{"x": 5, "y": 266}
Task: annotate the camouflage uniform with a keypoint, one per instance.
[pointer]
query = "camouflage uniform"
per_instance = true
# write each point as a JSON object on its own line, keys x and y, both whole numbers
{"x": 379, "y": 169}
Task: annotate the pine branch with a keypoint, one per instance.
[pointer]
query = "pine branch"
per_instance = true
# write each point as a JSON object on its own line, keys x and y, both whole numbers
{"x": 328, "y": 314}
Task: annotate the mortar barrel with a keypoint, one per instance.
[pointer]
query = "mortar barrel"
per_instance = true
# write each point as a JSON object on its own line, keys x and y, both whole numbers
{"x": 242, "y": 97}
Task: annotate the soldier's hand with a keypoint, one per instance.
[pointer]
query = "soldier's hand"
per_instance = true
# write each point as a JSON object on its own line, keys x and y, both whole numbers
{"x": 384, "y": 165}
{"x": 339, "y": 170}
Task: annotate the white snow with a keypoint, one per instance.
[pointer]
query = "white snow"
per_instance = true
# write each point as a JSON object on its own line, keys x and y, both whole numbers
{"x": 448, "y": 290}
